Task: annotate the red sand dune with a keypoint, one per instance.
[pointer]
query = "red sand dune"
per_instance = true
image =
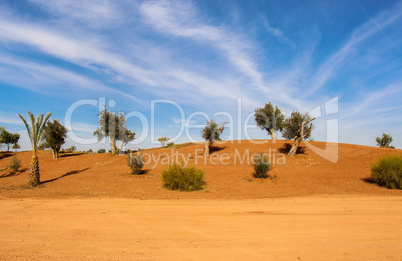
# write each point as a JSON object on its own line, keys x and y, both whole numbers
{"x": 90, "y": 208}
{"x": 105, "y": 175}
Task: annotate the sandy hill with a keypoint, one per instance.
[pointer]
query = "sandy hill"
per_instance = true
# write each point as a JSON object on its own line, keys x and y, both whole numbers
{"x": 105, "y": 175}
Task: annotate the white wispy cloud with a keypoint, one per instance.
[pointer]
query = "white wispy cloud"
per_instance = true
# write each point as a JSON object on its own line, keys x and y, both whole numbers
{"x": 364, "y": 32}
{"x": 180, "y": 19}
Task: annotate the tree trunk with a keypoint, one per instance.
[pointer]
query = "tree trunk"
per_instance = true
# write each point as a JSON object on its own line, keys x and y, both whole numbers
{"x": 113, "y": 144}
{"x": 273, "y": 136}
{"x": 207, "y": 147}
{"x": 295, "y": 146}
{"x": 34, "y": 179}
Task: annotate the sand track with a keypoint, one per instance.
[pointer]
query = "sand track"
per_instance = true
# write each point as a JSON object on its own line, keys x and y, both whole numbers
{"x": 310, "y": 228}
{"x": 90, "y": 208}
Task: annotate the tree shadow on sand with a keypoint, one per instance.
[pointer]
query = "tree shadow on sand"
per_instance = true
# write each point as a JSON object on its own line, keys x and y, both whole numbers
{"x": 216, "y": 149}
{"x": 4, "y": 155}
{"x": 12, "y": 173}
{"x": 65, "y": 175}
{"x": 65, "y": 155}
{"x": 368, "y": 180}
{"x": 286, "y": 148}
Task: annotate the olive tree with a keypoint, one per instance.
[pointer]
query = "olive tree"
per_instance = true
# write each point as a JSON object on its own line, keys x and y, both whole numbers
{"x": 8, "y": 139}
{"x": 384, "y": 141}
{"x": 114, "y": 127}
{"x": 54, "y": 137}
{"x": 210, "y": 133}
{"x": 270, "y": 119}
{"x": 297, "y": 127}
{"x": 163, "y": 141}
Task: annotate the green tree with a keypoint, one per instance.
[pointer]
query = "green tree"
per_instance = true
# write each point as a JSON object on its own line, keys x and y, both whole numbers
{"x": 384, "y": 141}
{"x": 35, "y": 134}
{"x": 8, "y": 139}
{"x": 54, "y": 137}
{"x": 297, "y": 127}
{"x": 270, "y": 119}
{"x": 125, "y": 135}
{"x": 114, "y": 127}
{"x": 210, "y": 133}
{"x": 163, "y": 141}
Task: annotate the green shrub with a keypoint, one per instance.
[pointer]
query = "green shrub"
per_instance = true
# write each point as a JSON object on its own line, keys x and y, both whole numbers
{"x": 178, "y": 177}
{"x": 101, "y": 151}
{"x": 261, "y": 166}
{"x": 388, "y": 171}
{"x": 136, "y": 163}
{"x": 15, "y": 164}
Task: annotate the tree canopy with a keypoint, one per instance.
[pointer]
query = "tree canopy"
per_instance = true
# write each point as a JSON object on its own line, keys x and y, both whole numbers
{"x": 54, "y": 137}
{"x": 384, "y": 141}
{"x": 8, "y": 139}
{"x": 292, "y": 124}
{"x": 269, "y": 118}
{"x": 114, "y": 127}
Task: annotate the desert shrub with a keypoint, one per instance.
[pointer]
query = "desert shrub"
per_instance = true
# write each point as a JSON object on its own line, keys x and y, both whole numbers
{"x": 90, "y": 151}
{"x": 15, "y": 164}
{"x": 261, "y": 166}
{"x": 170, "y": 144}
{"x": 388, "y": 171}
{"x": 179, "y": 177}
{"x": 136, "y": 163}
{"x": 101, "y": 151}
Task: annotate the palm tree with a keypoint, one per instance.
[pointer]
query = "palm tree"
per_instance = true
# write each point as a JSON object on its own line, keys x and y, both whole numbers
{"x": 35, "y": 132}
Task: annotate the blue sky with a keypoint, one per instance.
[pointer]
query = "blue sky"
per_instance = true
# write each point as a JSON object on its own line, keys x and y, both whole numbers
{"x": 204, "y": 56}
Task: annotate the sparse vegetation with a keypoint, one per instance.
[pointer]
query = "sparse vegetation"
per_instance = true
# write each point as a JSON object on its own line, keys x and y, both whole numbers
{"x": 15, "y": 164}
{"x": 270, "y": 119}
{"x": 71, "y": 149}
{"x": 101, "y": 151}
{"x": 35, "y": 133}
{"x": 385, "y": 141}
{"x": 179, "y": 177}
{"x": 54, "y": 137}
{"x": 261, "y": 166}
{"x": 387, "y": 171}
{"x": 297, "y": 127}
{"x": 136, "y": 164}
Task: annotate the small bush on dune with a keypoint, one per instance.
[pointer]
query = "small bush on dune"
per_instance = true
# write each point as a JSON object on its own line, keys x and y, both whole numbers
{"x": 388, "y": 171}
{"x": 101, "y": 151}
{"x": 261, "y": 166}
{"x": 136, "y": 163}
{"x": 15, "y": 164}
{"x": 178, "y": 177}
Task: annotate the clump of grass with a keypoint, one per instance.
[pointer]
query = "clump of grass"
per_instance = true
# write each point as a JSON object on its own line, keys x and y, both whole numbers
{"x": 179, "y": 177}
{"x": 387, "y": 171}
{"x": 136, "y": 163}
{"x": 261, "y": 166}
{"x": 15, "y": 164}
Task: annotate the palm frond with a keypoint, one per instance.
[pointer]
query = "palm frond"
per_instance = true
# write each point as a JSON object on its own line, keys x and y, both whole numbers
{"x": 29, "y": 130}
{"x": 42, "y": 126}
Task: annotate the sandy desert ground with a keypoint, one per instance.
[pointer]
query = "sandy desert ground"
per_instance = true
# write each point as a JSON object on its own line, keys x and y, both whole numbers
{"x": 90, "y": 208}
